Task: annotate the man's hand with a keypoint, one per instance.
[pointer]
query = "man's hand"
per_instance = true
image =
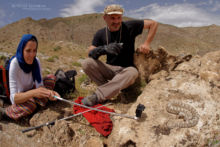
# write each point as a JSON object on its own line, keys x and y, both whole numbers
{"x": 144, "y": 48}
{"x": 112, "y": 48}
{"x": 97, "y": 52}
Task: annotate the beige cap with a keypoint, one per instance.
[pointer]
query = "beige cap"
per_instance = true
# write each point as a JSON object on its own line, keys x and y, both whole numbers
{"x": 113, "y": 9}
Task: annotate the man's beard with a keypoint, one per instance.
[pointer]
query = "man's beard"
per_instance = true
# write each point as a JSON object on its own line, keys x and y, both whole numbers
{"x": 116, "y": 26}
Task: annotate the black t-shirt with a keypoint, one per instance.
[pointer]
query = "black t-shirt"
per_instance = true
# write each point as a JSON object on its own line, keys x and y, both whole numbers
{"x": 126, "y": 35}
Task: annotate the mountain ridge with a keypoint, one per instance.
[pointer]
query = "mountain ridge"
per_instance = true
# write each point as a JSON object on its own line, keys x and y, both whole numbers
{"x": 80, "y": 30}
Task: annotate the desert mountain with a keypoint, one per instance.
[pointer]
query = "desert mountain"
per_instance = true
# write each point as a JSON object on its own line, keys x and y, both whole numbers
{"x": 80, "y": 30}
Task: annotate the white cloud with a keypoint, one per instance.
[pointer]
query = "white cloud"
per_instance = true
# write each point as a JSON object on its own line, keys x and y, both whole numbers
{"x": 210, "y": 2}
{"x": 2, "y": 16}
{"x": 2, "y": 13}
{"x": 81, "y": 7}
{"x": 216, "y": 7}
{"x": 181, "y": 15}
{"x": 209, "y": 5}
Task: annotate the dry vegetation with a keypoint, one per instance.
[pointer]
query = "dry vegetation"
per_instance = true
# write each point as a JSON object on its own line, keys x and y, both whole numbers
{"x": 63, "y": 44}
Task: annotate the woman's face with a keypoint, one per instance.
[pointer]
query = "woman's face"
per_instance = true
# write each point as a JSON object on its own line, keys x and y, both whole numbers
{"x": 30, "y": 51}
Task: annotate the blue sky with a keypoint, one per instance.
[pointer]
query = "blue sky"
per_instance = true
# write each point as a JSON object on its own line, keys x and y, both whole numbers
{"x": 181, "y": 13}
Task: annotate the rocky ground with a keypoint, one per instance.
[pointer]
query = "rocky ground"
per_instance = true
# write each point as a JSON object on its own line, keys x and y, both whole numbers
{"x": 192, "y": 80}
{"x": 195, "y": 83}
{"x": 73, "y": 132}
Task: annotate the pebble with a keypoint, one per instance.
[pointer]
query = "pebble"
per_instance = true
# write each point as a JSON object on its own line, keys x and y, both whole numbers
{"x": 31, "y": 133}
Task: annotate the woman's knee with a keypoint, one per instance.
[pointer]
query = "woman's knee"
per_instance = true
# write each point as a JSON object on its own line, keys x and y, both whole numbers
{"x": 20, "y": 110}
{"x": 29, "y": 106}
{"x": 49, "y": 81}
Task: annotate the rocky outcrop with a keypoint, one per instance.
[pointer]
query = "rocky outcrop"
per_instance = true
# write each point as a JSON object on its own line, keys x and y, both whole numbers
{"x": 182, "y": 100}
{"x": 196, "y": 84}
{"x": 155, "y": 61}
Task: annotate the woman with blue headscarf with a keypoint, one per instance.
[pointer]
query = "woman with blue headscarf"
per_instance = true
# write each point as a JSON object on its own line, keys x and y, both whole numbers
{"x": 25, "y": 80}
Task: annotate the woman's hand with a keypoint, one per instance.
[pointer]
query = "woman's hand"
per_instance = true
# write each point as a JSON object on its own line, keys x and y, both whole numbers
{"x": 41, "y": 92}
{"x": 52, "y": 94}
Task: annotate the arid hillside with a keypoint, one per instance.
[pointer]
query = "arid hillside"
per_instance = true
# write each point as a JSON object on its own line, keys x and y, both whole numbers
{"x": 80, "y": 30}
{"x": 186, "y": 70}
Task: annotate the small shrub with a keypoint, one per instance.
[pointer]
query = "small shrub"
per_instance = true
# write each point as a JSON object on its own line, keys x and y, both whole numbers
{"x": 77, "y": 64}
{"x": 82, "y": 78}
{"x": 2, "y": 57}
{"x": 52, "y": 59}
{"x": 81, "y": 131}
{"x": 46, "y": 72}
{"x": 212, "y": 142}
{"x": 57, "y": 48}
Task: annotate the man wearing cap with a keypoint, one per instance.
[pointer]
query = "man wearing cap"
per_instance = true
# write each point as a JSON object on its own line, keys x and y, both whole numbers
{"x": 117, "y": 41}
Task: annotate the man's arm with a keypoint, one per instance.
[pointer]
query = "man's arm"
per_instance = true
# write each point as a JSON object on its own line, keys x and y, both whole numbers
{"x": 151, "y": 25}
{"x": 91, "y": 48}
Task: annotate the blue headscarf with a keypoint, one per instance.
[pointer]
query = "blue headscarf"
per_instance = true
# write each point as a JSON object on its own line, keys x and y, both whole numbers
{"x": 27, "y": 68}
